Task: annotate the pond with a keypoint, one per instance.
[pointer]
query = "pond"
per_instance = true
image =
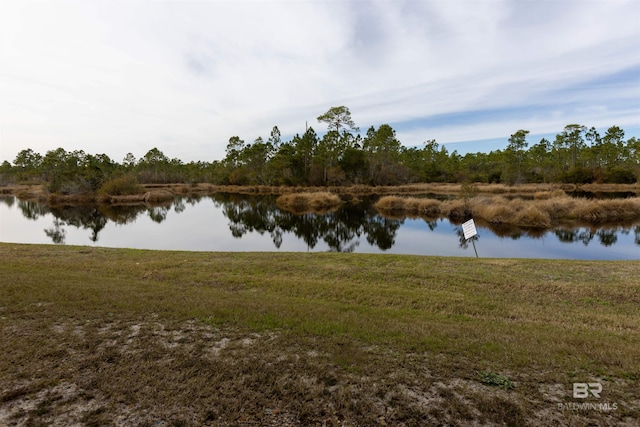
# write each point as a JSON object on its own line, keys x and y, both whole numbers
{"x": 231, "y": 222}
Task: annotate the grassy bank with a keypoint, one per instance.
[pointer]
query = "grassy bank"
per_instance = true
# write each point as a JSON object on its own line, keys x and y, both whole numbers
{"x": 116, "y": 336}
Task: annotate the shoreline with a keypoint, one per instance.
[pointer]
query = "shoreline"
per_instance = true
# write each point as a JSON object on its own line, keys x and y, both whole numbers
{"x": 37, "y": 192}
{"x": 530, "y": 207}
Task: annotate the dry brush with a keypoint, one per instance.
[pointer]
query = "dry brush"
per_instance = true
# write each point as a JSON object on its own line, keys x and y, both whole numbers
{"x": 545, "y": 210}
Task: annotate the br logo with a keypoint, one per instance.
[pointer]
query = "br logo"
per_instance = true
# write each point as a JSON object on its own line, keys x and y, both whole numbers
{"x": 582, "y": 390}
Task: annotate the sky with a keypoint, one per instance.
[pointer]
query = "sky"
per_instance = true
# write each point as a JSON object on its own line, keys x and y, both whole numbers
{"x": 121, "y": 76}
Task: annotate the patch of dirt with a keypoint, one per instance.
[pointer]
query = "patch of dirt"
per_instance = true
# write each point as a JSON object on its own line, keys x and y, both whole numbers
{"x": 157, "y": 373}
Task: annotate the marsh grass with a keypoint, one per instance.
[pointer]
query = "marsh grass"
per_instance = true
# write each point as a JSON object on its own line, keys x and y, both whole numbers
{"x": 549, "y": 194}
{"x": 35, "y": 191}
{"x": 541, "y": 212}
{"x": 121, "y": 186}
{"x": 309, "y": 202}
{"x": 91, "y": 335}
{"x": 158, "y": 196}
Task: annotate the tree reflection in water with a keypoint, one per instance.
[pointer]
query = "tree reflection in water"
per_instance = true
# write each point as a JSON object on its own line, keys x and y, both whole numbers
{"x": 8, "y": 200}
{"x": 32, "y": 210}
{"x": 341, "y": 230}
{"x": 606, "y": 236}
{"x": 57, "y": 233}
{"x": 79, "y": 216}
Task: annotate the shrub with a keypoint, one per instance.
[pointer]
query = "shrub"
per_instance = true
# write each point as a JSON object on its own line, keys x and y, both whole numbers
{"x": 578, "y": 176}
{"x": 491, "y": 378}
{"x": 534, "y": 177}
{"x": 121, "y": 186}
{"x": 468, "y": 190}
{"x": 494, "y": 178}
{"x": 620, "y": 176}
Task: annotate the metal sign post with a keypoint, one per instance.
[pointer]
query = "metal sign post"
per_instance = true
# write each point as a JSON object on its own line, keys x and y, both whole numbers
{"x": 469, "y": 230}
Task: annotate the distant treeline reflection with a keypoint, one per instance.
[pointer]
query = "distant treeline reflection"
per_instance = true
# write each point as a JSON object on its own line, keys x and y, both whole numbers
{"x": 340, "y": 230}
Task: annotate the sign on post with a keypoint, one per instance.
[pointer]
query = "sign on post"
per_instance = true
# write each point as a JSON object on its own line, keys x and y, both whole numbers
{"x": 469, "y": 229}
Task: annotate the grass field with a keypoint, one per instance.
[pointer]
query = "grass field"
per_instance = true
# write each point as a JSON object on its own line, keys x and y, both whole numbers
{"x": 94, "y": 336}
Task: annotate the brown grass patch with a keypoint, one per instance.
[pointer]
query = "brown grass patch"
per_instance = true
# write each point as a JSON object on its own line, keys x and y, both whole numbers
{"x": 618, "y": 188}
{"x": 420, "y": 188}
{"x": 532, "y": 216}
{"x": 499, "y": 212}
{"x": 391, "y": 203}
{"x": 545, "y": 195}
{"x": 601, "y": 211}
{"x": 429, "y": 207}
{"x": 158, "y": 196}
{"x": 542, "y": 212}
{"x": 456, "y": 210}
{"x": 28, "y": 192}
{"x": 558, "y": 207}
{"x": 308, "y": 202}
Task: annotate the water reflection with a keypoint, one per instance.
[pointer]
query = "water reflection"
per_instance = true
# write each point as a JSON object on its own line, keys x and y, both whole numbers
{"x": 340, "y": 230}
{"x": 464, "y": 243}
{"x": 606, "y": 236}
{"x": 32, "y": 210}
{"x": 83, "y": 217}
{"x": 8, "y": 200}
{"x": 344, "y": 230}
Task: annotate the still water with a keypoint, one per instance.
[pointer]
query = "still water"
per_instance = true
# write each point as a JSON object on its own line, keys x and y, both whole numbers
{"x": 226, "y": 222}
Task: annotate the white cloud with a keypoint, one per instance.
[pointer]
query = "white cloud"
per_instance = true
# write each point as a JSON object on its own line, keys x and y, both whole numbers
{"x": 124, "y": 76}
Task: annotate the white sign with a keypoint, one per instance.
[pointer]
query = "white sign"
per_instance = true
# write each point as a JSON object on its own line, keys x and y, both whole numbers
{"x": 469, "y": 229}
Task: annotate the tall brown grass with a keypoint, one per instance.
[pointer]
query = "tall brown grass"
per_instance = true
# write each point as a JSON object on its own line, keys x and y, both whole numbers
{"x": 158, "y": 196}
{"x": 421, "y": 188}
{"x": 543, "y": 195}
{"x": 456, "y": 210}
{"x": 392, "y": 203}
{"x": 496, "y": 209}
{"x": 308, "y": 202}
{"x": 121, "y": 186}
{"x": 542, "y": 212}
{"x": 532, "y": 216}
{"x": 601, "y": 211}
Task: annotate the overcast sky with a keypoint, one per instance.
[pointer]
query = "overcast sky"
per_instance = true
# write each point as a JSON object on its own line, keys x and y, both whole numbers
{"x": 121, "y": 76}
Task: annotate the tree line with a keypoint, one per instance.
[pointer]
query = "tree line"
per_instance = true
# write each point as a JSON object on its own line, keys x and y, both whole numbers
{"x": 342, "y": 156}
